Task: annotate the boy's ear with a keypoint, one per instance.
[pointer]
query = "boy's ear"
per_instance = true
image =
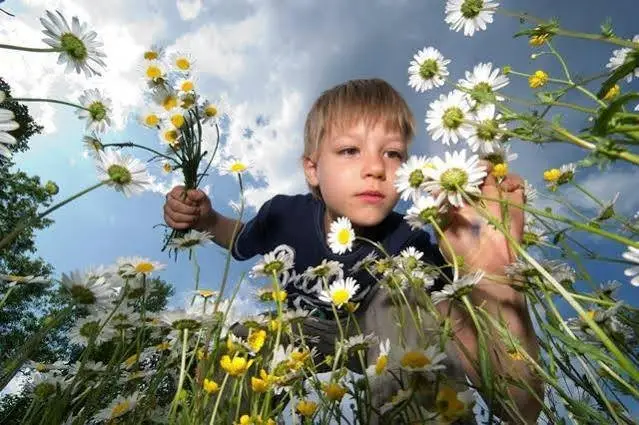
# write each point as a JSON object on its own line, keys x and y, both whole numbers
{"x": 310, "y": 171}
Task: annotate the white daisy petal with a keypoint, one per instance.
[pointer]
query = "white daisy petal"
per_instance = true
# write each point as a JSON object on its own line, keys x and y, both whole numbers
{"x": 427, "y": 70}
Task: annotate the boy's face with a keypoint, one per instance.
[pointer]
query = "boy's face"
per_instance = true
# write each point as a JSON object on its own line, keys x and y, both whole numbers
{"x": 354, "y": 169}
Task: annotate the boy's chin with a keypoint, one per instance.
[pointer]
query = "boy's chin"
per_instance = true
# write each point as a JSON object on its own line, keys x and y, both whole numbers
{"x": 366, "y": 220}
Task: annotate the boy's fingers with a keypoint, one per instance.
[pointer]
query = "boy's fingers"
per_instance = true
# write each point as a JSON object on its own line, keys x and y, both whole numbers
{"x": 195, "y": 195}
{"x": 178, "y": 217}
{"x": 175, "y": 225}
{"x": 179, "y": 206}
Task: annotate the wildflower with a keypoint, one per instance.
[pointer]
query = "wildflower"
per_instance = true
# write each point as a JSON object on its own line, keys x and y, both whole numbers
{"x": 210, "y": 386}
{"x": 236, "y": 366}
{"x": 612, "y": 93}
{"x": 275, "y": 263}
{"x": 169, "y": 135}
{"x": 500, "y": 170}
{"x": 452, "y": 405}
{"x": 97, "y": 109}
{"x": 552, "y": 175}
{"x": 181, "y": 320}
{"x": 341, "y": 236}
{"x": 538, "y": 39}
{"x": 340, "y": 292}
{"x": 87, "y": 330}
{"x": 357, "y": 342}
{"x": 325, "y": 271}
{"x": 365, "y": 262}
{"x": 487, "y": 130}
{"x": 183, "y": 62}
{"x": 538, "y": 79}
{"x": 483, "y": 82}
{"x": 306, "y": 408}
{"x": 164, "y": 98}
{"x": 382, "y": 360}
{"x": 530, "y": 193}
{"x": 176, "y": 117}
{"x": 125, "y": 173}
{"x": 256, "y": 339}
{"x": 234, "y": 166}
{"x": 455, "y": 175}
{"x": 411, "y": 177}
{"x": 212, "y": 112}
{"x": 154, "y": 72}
{"x": 119, "y": 407}
{"x": 620, "y": 57}
{"x": 155, "y": 52}
{"x": 632, "y": 255}
{"x": 415, "y": 360}
{"x": 449, "y": 118}
{"x": 399, "y": 398}
{"x": 471, "y": 15}
{"x": 13, "y": 280}
{"x": 457, "y": 289}
{"x": 334, "y": 391}
{"x": 91, "y": 292}
{"x": 185, "y": 85}
{"x": 7, "y": 124}
{"x": 46, "y": 384}
{"x": 78, "y": 47}
{"x": 424, "y": 208}
{"x": 264, "y": 382}
{"x": 92, "y": 145}
{"x": 190, "y": 240}
{"x": 427, "y": 69}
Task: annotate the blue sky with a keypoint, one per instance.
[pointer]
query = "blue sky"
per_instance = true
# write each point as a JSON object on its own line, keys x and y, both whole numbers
{"x": 271, "y": 59}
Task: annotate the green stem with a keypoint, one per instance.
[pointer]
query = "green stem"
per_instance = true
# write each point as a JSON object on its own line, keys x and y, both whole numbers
{"x": 29, "y": 221}
{"x": 178, "y": 392}
{"x": 41, "y": 99}
{"x": 31, "y": 49}
{"x": 135, "y": 145}
{"x": 6, "y": 296}
{"x": 627, "y": 156}
{"x": 217, "y": 400}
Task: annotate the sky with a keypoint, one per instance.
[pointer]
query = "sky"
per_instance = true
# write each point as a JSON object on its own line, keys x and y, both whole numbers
{"x": 270, "y": 60}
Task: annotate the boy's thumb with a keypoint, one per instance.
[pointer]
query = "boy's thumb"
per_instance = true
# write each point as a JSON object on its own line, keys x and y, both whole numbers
{"x": 196, "y": 195}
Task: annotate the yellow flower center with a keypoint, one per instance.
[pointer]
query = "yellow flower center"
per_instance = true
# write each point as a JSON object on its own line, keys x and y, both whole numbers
{"x": 238, "y": 167}
{"x": 153, "y": 72}
{"x": 447, "y": 403}
{"x": 500, "y": 170}
{"x": 414, "y": 359}
{"x": 144, "y": 267}
{"x": 343, "y": 236}
{"x": 340, "y": 296}
{"x": 381, "y": 363}
{"x": 177, "y": 120}
{"x": 210, "y": 111}
{"x": 334, "y": 391}
{"x": 151, "y": 55}
{"x": 169, "y": 102}
{"x": 206, "y": 293}
{"x": 187, "y": 86}
{"x": 538, "y": 40}
{"x": 552, "y": 175}
{"x": 151, "y": 120}
{"x": 183, "y": 63}
{"x": 170, "y": 136}
{"x": 538, "y": 79}
{"x": 167, "y": 167}
{"x": 120, "y": 408}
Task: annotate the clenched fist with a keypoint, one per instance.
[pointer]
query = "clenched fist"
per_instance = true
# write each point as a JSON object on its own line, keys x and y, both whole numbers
{"x": 188, "y": 209}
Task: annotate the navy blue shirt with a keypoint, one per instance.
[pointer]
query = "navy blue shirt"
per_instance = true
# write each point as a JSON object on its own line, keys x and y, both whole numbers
{"x": 298, "y": 221}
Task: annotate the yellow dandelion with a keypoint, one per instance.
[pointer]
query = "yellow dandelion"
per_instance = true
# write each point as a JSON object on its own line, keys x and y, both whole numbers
{"x": 334, "y": 391}
{"x": 306, "y": 408}
{"x": 210, "y": 386}
{"x": 538, "y": 79}
{"x": 500, "y": 170}
{"x": 552, "y": 175}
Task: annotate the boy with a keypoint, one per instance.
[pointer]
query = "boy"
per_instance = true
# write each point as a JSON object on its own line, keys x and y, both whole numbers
{"x": 356, "y": 137}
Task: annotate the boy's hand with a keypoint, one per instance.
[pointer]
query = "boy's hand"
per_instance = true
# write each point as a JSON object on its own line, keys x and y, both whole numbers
{"x": 188, "y": 210}
{"x": 477, "y": 242}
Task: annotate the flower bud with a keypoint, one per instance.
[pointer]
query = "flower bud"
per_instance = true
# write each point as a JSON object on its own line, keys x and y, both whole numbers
{"x": 51, "y": 188}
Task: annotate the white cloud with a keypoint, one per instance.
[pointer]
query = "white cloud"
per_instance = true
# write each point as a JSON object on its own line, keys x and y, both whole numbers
{"x": 189, "y": 9}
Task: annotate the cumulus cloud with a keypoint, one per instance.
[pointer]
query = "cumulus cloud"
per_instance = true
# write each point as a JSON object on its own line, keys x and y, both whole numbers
{"x": 189, "y": 9}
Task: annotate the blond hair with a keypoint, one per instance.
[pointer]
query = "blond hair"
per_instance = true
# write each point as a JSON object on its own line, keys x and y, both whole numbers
{"x": 372, "y": 100}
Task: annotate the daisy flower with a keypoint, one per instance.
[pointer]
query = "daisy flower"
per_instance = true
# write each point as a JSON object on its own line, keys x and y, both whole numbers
{"x": 399, "y": 398}
{"x": 190, "y": 240}
{"x": 416, "y": 360}
{"x": 7, "y": 123}
{"x": 341, "y": 236}
{"x": 451, "y": 405}
{"x": 449, "y": 118}
{"x": 169, "y": 135}
{"x": 454, "y": 175}
{"x": 339, "y": 292}
{"x": 632, "y": 255}
{"x": 78, "y": 47}
{"x": 483, "y": 82}
{"x": 185, "y": 85}
{"x": 155, "y": 52}
{"x": 620, "y": 56}
{"x": 234, "y": 166}
{"x": 357, "y": 342}
{"x": 92, "y": 145}
{"x": 118, "y": 407}
{"x": 131, "y": 267}
{"x": 423, "y": 209}
{"x": 175, "y": 116}
{"x": 125, "y": 173}
{"x": 47, "y": 384}
{"x": 325, "y": 271}
{"x": 97, "y": 109}
{"x": 154, "y": 72}
{"x": 151, "y": 117}
{"x": 213, "y": 111}
{"x": 471, "y": 15}
{"x": 92, "y": 292}
{"x": 181, "y": 319}
{"x": 487, "y": 130}
{"x": 410, "y": 177}
{"x": 427, "y": 69}
{"x": 365, "y": 262}
{"x": 88, "y": 328}
{"x": 165, "y": 98}
{"x": 183, "y": 62}
{"x": 455, "y": 290}
{"x": 278, "y": 262}
{"x": 382, "y": 360}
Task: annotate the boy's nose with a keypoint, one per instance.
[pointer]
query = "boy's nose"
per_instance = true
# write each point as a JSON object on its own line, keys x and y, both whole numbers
{"x": 374, "y": 167}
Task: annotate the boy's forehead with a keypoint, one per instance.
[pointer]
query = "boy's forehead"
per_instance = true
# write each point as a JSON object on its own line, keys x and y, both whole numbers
{"x": 354, "y": 126}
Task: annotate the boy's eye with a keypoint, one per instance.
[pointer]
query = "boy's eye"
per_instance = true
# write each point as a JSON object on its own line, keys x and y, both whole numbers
{"x": 348, "y": 151}
{"x": 395, "y": 155}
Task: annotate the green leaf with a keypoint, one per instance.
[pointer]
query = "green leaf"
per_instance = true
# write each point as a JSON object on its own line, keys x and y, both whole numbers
{"x": 632, "y": 62}
{"x": 579, "y": 347}
{"x": 607, "y": 113}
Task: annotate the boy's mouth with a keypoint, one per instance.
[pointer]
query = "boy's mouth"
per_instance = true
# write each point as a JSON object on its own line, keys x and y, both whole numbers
{"x": 371, "y": 196}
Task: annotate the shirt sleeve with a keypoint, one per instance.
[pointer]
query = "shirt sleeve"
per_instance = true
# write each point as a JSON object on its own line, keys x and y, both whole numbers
{"x": 422, "y": 241}
{"x": 252, "y": 239}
